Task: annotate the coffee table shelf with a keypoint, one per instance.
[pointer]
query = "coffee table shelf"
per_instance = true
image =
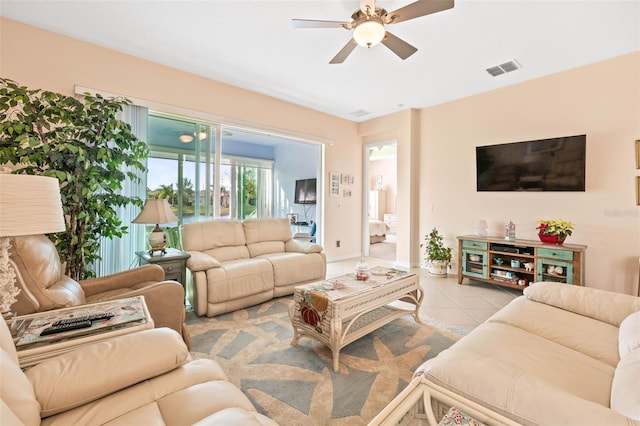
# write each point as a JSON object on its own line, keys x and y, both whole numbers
{"x": 350, "y": 317}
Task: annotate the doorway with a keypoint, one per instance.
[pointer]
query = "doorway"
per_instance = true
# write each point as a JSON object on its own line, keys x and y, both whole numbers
{"x": 381, "y": 189}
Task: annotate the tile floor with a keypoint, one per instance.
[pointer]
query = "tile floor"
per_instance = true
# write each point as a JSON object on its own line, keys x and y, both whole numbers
{"x": 459, "y": 308}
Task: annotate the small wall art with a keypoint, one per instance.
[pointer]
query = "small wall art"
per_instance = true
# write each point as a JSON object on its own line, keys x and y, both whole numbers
{"x": 293, "y": 217}
{"x": 334, "y": 184}
{"x": 638, "y": 154}
{"x": 347, "y": 179}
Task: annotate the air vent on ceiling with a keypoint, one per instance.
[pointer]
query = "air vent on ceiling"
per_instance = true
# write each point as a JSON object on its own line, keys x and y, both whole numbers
{"x": 509, "y": 66}
{"x": 360, "y": 113}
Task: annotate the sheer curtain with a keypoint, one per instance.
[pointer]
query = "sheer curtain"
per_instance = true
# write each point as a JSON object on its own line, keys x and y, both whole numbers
{"x": 119, "y": 254}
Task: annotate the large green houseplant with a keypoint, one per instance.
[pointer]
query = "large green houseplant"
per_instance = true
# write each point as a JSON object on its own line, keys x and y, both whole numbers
{"x": 86, "y": 147}
{"x": 436, "y": 254}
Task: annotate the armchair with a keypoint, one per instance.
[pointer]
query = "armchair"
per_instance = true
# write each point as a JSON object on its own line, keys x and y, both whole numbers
{"x": 141, "y": 378}
{"x": 43, "y": 286}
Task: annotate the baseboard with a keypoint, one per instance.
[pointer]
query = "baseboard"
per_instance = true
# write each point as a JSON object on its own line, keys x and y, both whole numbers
{"x": 345, "y": 257}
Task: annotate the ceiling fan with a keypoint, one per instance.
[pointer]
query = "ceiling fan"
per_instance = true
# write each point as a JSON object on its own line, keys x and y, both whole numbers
{"x": 368, "y": 25}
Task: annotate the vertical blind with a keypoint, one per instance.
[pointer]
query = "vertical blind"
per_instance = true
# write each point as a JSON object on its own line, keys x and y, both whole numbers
{"x": 118, "y": 254}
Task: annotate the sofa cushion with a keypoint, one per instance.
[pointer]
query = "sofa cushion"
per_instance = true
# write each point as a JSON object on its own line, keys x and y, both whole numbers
{"x": 43, "y": 283}
{"x": 597, "y": 339}
{"x": 514, "y": 391}
{"x": 227, "y": 253}
{"x": 533, "y": 356}
{"x": 257, "y": 230}
{"x": 298, "y": 246}
{"x": 629, "y": 334}
{"x": 16, "y": 393}
{"x": 265, "y": 247}
{"x": 235, "y": 416}
{"x": 201, "y": 386}
{"x": 625, "y": 390}
{"x": 238, "y": 279}
{"x": 211, "y": 234}
{"x": 591, "y": 302}
{"x": 162, "y": 346}
{"x": 296, "y": 268}
{"x": 201, "y": 262}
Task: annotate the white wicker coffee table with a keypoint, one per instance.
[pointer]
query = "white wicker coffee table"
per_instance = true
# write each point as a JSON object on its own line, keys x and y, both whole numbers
{"x": 339, "y": 316}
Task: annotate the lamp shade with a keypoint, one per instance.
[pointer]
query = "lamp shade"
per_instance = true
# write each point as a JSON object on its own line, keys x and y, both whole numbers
{"x": 29, "y": 205}
{"x": 156, "y": 211}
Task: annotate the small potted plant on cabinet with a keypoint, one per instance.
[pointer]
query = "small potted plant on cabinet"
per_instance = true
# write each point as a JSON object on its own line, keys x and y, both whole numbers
{"x": 554, "y": 231}
{"x": 437, "y": 256}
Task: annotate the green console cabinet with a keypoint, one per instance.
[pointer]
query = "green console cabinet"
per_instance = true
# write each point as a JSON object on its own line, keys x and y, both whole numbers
{"x": 517, "y": 263}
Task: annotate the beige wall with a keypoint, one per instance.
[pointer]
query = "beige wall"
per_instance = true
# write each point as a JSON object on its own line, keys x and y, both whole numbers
{"x": 601, "y": 100}
{"x": 388, "y": 170}
{"x": 436, "y": 157}
{"x": 44, "y": 60}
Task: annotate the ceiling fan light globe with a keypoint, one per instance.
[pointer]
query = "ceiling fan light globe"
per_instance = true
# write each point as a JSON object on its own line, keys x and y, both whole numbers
{"x": 369, "y": 33}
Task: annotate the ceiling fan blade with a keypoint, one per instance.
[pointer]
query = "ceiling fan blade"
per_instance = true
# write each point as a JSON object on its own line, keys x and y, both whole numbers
{"x": 417, "y": 9}
{"x": 398, "y": 46}
{"x": 310, "y": 23}
{"x": 367, "y": 5}
{"x": 344, "y": 52}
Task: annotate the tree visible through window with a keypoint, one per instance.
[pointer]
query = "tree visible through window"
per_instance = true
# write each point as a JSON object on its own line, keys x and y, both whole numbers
{"x": 182, "y": 170}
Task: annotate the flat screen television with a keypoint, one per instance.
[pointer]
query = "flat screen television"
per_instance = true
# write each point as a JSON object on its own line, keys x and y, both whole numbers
{"x": 556, "y": 164}
{"x": 305, "y": 191}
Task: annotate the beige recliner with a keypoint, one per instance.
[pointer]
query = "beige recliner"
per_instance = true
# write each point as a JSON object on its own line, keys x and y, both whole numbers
{"x": 144, "y": 378}
{"x": 43, "y": 285}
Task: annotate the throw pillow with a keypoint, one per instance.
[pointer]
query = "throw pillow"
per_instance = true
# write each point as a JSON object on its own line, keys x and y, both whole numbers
{"x": 625, "y": 398}
{"x": 455, "y": 417}
{"x": 629, "y": 334}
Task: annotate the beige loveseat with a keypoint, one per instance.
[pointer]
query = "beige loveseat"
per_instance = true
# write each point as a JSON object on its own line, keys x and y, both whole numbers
{"x": 236, "y": 264}
{"x": 141, "y": 378}
{"x": 558, "y": 355}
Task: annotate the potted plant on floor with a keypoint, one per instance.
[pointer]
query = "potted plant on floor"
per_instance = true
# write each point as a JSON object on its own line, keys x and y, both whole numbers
{"x": 437, "y": 256}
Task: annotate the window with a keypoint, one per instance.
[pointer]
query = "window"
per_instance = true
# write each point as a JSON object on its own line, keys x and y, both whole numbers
{"x": 182, "y": 168}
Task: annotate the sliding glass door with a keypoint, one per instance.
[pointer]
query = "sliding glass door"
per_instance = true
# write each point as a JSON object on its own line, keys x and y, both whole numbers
{"x": 183, "y": 168}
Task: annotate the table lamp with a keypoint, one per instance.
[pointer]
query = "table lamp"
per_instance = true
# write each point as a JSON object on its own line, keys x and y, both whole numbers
{"x": 156, "y": 211}
{"x": 29, "y": 205}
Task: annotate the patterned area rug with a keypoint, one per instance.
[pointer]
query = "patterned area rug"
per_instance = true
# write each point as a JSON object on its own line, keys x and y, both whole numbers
{"x": 296, "y": 385}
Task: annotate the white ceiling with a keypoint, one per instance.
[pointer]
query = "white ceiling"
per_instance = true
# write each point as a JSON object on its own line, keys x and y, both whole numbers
{"x": 251, "y": 44}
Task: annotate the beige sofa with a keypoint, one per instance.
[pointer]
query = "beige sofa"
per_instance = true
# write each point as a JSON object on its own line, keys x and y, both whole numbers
{"x": 558, "y": 355}
{"x": 236, "y": 264}
{"x": 142, "y": 378}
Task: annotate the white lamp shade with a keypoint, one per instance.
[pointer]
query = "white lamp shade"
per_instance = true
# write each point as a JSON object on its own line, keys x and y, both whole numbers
{"x": 156, "y": 211}
{"x": 29, "y": 205}
{"x": 369, "y": 33}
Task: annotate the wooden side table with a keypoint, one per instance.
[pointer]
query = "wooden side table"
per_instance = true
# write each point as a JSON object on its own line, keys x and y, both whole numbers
{"x": 174, "y": 263}
{"x": 131, "y": 315}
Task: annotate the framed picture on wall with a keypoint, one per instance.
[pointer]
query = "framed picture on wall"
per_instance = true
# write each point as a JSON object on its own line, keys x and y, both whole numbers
{"x": 334, "y": 184}
{"x": 638, "y": 154}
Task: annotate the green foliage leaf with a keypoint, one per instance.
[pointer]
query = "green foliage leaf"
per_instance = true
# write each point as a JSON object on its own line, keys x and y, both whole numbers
{"x": 84, "y": 146}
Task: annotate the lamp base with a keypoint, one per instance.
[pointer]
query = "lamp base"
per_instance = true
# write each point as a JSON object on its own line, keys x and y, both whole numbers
{"x": 157, "y": 240}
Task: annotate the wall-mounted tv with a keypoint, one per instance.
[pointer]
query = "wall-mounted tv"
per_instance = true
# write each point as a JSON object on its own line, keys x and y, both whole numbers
{"x": 556, "y": 164}
{"x": 305, "y": 191}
